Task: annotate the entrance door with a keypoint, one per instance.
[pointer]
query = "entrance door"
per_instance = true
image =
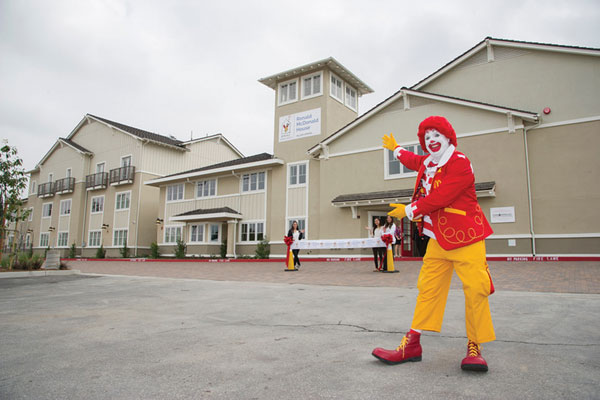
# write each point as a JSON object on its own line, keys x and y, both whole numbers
{"x": 407, "y": 235}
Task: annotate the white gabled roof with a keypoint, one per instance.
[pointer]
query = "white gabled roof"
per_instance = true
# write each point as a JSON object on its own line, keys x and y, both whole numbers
{"x": 526, "y": 115}
{"x": 61, "y": 141}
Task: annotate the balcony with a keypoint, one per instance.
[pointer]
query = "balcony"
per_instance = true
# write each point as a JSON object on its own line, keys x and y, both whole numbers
{"x": 65, "y": 185}
{"x": 46, "y": 189}
{"x": 122, "y": 176}
{"x": 96, "y": 181}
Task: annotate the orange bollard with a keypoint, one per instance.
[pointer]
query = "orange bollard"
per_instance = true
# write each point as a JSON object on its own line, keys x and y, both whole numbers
{"x": 390, "y": 260}
{"x": 290, "y": 261}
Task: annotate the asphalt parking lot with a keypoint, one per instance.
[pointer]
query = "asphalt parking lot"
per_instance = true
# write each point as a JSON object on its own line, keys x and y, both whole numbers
{"x": 125, "y": 336}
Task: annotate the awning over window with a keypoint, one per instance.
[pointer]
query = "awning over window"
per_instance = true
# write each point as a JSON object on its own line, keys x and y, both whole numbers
{"x": 208, "y": 214}
{"x": 483, "y": 189}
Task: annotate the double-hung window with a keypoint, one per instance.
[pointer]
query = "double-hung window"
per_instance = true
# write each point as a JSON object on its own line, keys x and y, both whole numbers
{"x": 44, "y": 239}
{"x": 63, "y": 239}
{"x": 297, "y": 174}
{"x": 197, "y": 233}
{"x": 288, "y": 92}
{"x": 47, "y": 210}
{"x": 172, "y": 234}
{"x": 351, "y": 98}
{"x": 253, "y": 182}
{"x": 311, "y": 85}
{"x": 394, "y": 167}
{"x": 120, "y": 237}
{"x": 95, "y": 238}
{"x": 65, "y": 207}
{"x": 252, "y": 231}
{"x": 175, "y": 192}
{"x": 97, "y": 204}
{"x": 206, "y": 188}
{"x": 123, "y": 200}
{"x": 214, "y": 233}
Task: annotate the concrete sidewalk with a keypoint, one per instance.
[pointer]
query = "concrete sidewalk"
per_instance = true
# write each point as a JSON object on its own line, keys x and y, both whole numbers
{"x": 124, "y": 337}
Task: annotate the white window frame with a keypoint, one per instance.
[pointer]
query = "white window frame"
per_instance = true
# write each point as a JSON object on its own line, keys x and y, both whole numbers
{"x": 90, "y": 244}
{"x": 27, "y": 240}
{"x": 312, "y": 83}
{"x": 281, "y": 89}
{"x": 33, "y": 186}
{"x": 63, "y": 203}
{"x": 92, "y": 205}
{"x": 68, "y": 172}
{"x": 209, "y": 233}
{"x": 118, "y": 237}
{"x": 351, "y": 89}
{"x": 103, "y": 169}
{"x": 332, "y": 85}
{"x": 130, "y": 161}
{"x": 58, "y": 237}
{"x": 296, "y": 167}
{"x": 178, "y": 192}
{"x": 203, "y": 183}
{"x": 415, "y": 148}
{"x": 44, "y": 207}
{"x": 167, "y": 235}
{"x": 117, "y": 202}
{"x": 51, "y": 177}
{"x": 257, "y": 189}
{"x": 301, "y": 224}
{"x": 200, "y": 228}
{"x": 248, "y": 225}
{"x": 30, "y": 218}
{"x": 47, "y": 236}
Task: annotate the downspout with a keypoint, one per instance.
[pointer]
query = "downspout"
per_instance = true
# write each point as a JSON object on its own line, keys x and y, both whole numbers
{"x": 137, "y": 214}
{"x": 239, "y": 210}
{"x": 529, "y": 199}
{"x": 89, "y": 162}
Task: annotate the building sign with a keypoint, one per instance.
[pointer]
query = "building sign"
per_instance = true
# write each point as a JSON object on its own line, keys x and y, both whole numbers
{"x": 299, "y": 125}
{"x": 500, "y": 215}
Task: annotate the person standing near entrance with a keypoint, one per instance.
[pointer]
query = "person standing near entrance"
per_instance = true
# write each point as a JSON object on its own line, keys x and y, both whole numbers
{"x": 398, "y": 237}
{"x": 378, "y": 252}
{"x": 389, "y": 228}
{"x": 446, "y": 204}
{"x": 297, "y": 235}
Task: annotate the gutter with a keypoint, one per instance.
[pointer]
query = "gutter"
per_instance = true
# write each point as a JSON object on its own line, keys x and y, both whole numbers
{"x": 528, "y": 173}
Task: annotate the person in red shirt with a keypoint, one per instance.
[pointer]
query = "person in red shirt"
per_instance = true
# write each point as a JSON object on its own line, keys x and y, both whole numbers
{"x": 444, "y": 204}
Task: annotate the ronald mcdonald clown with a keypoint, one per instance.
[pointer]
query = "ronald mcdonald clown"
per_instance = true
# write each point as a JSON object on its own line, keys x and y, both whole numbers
{"x": 445, "y": 205}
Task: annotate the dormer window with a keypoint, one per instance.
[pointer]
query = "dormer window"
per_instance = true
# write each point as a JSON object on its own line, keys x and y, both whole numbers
{"x": 288, "y": 92}
{"x": 311, "y": 85}
{"x": 336, "y": 89}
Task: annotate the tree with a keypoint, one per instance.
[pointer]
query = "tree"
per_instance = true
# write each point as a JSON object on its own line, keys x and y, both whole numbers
{"x": 12, "y": 183}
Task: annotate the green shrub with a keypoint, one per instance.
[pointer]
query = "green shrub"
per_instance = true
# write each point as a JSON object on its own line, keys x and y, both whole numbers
{"x": 263, "y": 249}
{"x": 36, "y": 261}
{"x": 5, "y": 262}
{"x": 124, "y": 251}
{"x": 154, "y": 250}
{"x": 180, "y": 249}
{"x": 224, "y": 249}
{"x": 100, "y": 253}
{"x": 72, "y": 251}
{"x": 23, "y": 261}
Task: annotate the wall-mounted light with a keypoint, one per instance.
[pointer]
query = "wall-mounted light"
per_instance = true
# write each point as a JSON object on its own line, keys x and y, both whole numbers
{"x": 51, "y": 229}
{"x": 29, "y": 230}
{"x": 105, "y": 226}
{"x": 159, "y": 221}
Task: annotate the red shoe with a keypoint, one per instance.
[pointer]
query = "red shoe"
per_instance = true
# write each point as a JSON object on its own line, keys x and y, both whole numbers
{"x": 409, "y": 350}
{"x": 474, "y": 361}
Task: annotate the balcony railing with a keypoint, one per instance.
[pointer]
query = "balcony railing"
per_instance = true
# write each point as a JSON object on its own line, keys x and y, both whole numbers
{"x": 65, "y": 185}
{"x": 46, "y": 189}
{"x": 96, "y": 181}
{"x": 122, "y": 176}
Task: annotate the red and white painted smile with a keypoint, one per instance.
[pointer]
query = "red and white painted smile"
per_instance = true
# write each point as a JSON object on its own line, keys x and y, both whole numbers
{"x": 435, "y": 146}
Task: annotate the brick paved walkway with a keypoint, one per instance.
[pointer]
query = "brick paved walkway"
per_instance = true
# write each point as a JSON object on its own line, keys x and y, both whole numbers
{"x": 559, "y": 277}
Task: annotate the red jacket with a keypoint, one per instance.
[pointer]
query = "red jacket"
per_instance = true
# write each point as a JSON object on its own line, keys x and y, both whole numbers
{"x": 452, "y": 203}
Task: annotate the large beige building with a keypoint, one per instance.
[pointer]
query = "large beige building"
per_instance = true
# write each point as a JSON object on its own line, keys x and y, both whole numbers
{"x": 89, "y": 190}
{"x": 526, "y": 114}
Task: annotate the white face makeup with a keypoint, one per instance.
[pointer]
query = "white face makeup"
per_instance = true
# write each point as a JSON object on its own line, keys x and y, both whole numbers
{"x": 436, "y": 143}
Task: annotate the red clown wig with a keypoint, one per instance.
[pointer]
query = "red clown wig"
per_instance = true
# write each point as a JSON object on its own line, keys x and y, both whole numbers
{"x": 438, "y": 123}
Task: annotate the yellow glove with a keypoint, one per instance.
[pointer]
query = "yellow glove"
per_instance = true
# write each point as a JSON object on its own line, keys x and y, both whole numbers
{"x": 399, "y": 211}
{"x": 389, "y": 142}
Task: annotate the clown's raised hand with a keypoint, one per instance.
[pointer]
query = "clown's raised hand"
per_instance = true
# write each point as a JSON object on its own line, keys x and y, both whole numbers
{"x": 399, "y": 211}
{"x": 389, "y": 142}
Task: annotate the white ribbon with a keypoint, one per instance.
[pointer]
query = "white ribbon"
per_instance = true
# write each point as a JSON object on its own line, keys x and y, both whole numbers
{"x": 337, "y": 244}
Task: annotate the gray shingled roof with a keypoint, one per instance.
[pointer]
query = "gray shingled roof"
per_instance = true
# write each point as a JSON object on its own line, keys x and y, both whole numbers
{"x": 141, "y": 133}
{"x": 392, "y": 194}
{"x": 202, "y": 211}
{"x": 239, "y": 161}
{"x": 75, "y": 145}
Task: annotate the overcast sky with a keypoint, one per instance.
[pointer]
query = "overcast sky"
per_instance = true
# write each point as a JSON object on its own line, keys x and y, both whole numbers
{"x": 177, "y": 67}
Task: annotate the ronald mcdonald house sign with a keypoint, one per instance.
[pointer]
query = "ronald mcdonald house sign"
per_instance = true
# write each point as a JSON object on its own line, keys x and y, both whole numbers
{"x": 299, "y": 125}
